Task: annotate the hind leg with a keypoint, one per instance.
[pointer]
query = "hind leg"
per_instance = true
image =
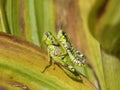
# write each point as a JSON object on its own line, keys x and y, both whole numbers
{"x": 50, "y": 63}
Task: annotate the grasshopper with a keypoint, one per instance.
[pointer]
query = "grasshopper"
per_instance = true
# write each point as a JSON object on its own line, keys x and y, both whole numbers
{"x": 76, "y": 57}
{"x": 65, "y": 55}
{"x": 60, "y": 56}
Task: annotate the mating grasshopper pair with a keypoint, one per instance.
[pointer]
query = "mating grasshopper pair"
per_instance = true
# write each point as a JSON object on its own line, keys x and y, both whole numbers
{"x": 64, "y": 54}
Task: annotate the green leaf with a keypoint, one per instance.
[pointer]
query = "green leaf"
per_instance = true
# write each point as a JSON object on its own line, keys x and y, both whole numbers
{"x": 3, "y": 17}
{"x": 104, "y": 24}
{"x": 21, "y": 64}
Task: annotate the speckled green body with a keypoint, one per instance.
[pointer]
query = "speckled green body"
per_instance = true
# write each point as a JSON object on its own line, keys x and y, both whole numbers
{"x": 55, "y": 50}
{"x": 76, "y": 57}
{"x": 60, "y": 55}
{"x": 57, "y": 53}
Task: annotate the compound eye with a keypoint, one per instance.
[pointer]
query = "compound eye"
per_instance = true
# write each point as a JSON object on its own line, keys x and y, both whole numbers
{"x": 47, "y": 34}
{"x": 63, "y": 33}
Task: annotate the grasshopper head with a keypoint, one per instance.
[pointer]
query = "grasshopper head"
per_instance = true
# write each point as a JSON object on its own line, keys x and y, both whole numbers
{"x": 63, "y": 39}
{"x": 61, "y": 36}
{"x": 49, "y": 39}
{"x": 61, "y": 33}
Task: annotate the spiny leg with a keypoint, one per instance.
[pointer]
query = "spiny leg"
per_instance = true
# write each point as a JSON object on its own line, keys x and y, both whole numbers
{"x": 50, "y": 63}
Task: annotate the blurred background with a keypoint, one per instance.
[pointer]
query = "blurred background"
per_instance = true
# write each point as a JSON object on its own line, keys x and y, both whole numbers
{"x": 92, "y": 25}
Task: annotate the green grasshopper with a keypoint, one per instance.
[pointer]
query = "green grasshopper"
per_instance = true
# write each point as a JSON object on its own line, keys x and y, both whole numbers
{"x": 60, "y": 56}
{"x": 65, "y": 55}
{"x": 76, "y": 57}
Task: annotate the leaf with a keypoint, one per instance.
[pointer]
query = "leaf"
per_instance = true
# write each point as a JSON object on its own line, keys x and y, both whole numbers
{"x": 30, "y": 19}
{"x": 3, "y": 18}
{"x": 21, "y": 64}
{"x": 91, "y": 46}
{"x": 104, "y": 24}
